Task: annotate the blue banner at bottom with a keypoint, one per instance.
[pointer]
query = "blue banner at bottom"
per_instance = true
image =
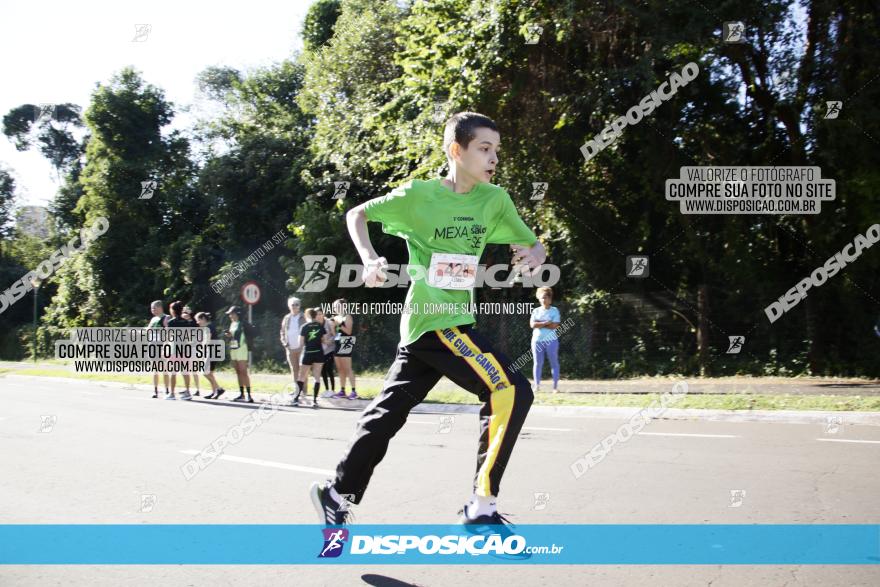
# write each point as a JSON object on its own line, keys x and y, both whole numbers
{"x": 636, "y": 544}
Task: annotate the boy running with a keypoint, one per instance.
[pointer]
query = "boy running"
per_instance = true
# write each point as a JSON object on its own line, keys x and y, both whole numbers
{"x": 446, "y": 224}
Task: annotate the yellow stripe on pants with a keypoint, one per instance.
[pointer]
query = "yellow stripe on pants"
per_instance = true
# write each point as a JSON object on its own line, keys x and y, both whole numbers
{"x": 505, "y": 382}
{"x": 471, "y": 360}
{"x": 500, "y": 405}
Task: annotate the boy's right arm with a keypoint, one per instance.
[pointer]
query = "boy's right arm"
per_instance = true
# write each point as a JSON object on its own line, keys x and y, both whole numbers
{"x": 394, "y": 212}
{"x": 356, "y": 219}
{"x": 374, "y": 265}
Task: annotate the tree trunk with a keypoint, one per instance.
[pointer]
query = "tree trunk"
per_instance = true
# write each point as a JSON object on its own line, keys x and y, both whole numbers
{"x": 703, "y": 327}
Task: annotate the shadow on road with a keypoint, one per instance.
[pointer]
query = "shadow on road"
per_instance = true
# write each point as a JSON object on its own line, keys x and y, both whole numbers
{"x": 383, "y": 581}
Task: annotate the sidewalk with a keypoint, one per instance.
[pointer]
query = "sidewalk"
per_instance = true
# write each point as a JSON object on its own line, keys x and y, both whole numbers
{"x": 827, "y": 386}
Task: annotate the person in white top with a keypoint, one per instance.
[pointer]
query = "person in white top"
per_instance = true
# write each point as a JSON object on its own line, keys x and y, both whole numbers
{"x": 290, "y": 327}
{"x": 545, "y": 320}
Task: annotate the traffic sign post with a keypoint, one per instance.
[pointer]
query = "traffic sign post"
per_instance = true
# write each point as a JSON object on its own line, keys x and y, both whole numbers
{"x": 250, "y": 295}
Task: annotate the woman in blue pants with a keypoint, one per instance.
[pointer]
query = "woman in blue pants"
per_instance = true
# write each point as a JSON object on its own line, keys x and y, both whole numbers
{"x": 544, "y": 321}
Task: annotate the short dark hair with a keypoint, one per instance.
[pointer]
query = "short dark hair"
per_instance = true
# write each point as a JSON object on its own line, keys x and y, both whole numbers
{"x": 204, "y": 315}
{"x": 462, "y": 128}
{"x": 312, "y": 313}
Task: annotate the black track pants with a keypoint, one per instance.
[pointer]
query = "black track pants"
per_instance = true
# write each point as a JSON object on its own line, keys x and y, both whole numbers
{"x": 464, "y": 357}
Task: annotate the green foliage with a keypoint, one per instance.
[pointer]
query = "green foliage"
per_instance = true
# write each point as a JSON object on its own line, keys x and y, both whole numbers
{"x": 365, "y": 103}
{"x": 7, "y": 198}
{"x": 319, "y": 22}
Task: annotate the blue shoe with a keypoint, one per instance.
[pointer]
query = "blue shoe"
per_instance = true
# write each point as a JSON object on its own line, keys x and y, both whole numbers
{"x": 500, "y": 524}
{"x": 488, "y": 525}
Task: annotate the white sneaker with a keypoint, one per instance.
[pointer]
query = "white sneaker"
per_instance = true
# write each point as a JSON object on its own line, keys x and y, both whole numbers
{"x": 171, "y": 396}
{"x": 185, "y": 395}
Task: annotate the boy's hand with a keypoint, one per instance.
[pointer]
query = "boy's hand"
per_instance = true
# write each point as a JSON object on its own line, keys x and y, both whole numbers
{"x": 374, "y": 272}
{"x": 528, "y": 259}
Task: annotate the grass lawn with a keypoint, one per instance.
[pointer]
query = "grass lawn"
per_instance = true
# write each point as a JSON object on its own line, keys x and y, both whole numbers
{"x": 704, "y": 401}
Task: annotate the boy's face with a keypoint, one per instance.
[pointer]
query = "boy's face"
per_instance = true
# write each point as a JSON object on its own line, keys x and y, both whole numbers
{"x": 480, "y": 157}
{"x": 202, "y": 321}
{"x": 156, "y": 310}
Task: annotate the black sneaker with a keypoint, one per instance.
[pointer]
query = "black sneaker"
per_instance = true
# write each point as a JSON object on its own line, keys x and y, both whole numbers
{"x": 155, "y": 394}
{"x": 330, "y": 513}
{"x": 250, "y": 400}
{"x": 240, "y": 398}
{"x": 220, "y": 391}
{"x": 196, "y": 393}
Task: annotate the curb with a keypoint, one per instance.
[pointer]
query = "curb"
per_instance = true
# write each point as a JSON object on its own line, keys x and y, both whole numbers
{"x": 617, "y": 413}
{"x": 779, "y": 416}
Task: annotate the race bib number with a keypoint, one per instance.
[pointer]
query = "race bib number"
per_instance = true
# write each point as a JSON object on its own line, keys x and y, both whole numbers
{"x": 346, "y": 344}
{"x": 452, "y": 271}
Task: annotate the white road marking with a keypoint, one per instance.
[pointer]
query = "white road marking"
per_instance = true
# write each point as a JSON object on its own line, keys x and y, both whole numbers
{"x": 848, "y": 440}
{"x": 263, "y": 463}
{"x": 688, "y": 435}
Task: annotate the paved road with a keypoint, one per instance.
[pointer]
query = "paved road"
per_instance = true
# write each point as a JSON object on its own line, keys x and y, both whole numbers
{"x": 107, "y": 447}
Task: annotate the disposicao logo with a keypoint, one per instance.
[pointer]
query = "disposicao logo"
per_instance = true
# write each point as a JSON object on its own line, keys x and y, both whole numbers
{"x": 449, "y": 544}
{"x": 334, "y": 540}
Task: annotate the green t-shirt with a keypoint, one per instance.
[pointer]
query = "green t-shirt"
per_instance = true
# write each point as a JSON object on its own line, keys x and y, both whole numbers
{"x": 434, "y": 219}
{"x": 156, "y": 321}
{"x": 234, "y": 327}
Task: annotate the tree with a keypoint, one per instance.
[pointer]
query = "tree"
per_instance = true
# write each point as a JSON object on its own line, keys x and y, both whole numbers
{"x": 319, "y": 22}
{"x": 107, "y": 282}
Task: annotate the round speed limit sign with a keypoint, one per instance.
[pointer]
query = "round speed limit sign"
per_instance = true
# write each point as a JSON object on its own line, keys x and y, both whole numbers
{"x": 250, "y": 293}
